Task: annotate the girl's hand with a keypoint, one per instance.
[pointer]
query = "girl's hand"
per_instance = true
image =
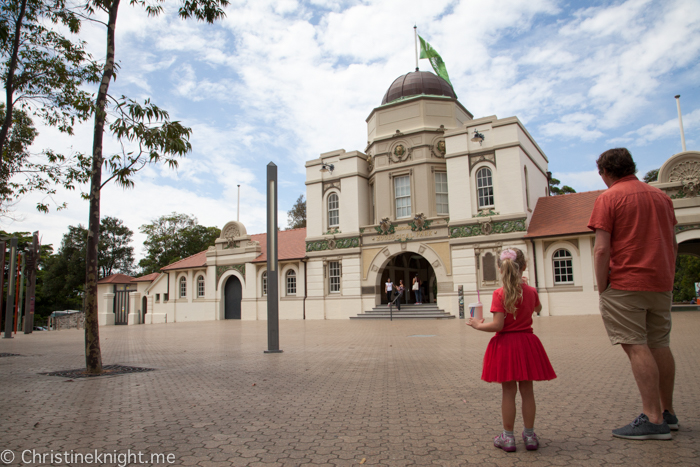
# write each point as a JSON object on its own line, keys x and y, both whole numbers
{"x": 475, "y": 322}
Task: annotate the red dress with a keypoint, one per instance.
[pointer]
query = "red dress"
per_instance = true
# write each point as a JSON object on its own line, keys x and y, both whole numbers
{"x": 515, "y": 353}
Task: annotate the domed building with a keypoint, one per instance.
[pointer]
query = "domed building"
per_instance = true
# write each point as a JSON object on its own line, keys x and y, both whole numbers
{"x": 436, "y": 194}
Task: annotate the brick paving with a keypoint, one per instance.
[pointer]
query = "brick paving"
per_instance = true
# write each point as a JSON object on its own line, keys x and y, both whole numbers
{"x": 389, "y": 393}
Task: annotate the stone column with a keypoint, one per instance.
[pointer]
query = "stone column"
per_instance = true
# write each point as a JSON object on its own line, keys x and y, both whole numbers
{"x": 106, "y": 316}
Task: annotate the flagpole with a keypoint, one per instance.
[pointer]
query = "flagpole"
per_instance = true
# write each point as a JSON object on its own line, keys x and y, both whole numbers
{"x": 415, "y": 40}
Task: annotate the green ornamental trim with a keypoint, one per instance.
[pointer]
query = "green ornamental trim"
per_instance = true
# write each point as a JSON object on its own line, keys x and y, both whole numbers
{"x": 220, "y": 270}
{"x": 341, "y": 243}
{"x": 489, "y": 213}
{"x": 682, "y": 228}
{"x": 517, "y": 225}
{"x": 385, "y": 227}
{"x": 334, "y": 230}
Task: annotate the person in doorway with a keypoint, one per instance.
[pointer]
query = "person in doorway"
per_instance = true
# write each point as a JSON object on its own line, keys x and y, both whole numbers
{"x": 635, "y": 260}
{"x": 389, "y": 289}
{"x": 416, "y": 290}
{"x": 399, "y": 294}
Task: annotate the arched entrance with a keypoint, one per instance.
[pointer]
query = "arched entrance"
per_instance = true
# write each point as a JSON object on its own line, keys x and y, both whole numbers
{"x": 233, "y": 293}
{"x": 405, "y": 266}
{"x": 144, "y": 309}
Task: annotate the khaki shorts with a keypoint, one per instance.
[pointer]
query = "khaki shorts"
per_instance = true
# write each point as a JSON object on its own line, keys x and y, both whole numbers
{"x": 634, "y": 317}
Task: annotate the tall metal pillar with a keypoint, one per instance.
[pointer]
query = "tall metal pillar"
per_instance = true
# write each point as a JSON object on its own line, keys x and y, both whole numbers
{"x": 273, "y": 329}
{"x": 9, "y": 305}
{"x": 30, "y": 301}
{"x": 2, "y": 273}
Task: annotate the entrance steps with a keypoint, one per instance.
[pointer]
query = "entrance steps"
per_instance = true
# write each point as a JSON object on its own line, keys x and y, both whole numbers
{"x": 427, "y": 311}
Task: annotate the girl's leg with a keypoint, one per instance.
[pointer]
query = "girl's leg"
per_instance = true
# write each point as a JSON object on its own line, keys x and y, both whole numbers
{"x": 510, "y": 389}
{"x": 527, "y": 393}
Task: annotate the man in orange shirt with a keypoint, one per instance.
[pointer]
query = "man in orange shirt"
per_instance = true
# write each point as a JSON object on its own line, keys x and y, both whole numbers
{"x": 635, "y": 256}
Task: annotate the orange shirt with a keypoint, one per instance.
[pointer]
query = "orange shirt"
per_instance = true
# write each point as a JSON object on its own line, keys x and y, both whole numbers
{"x": 640, "y": 220}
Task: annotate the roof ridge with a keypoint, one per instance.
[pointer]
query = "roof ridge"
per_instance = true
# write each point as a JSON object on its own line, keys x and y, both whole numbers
{"x": 183, "y": 259}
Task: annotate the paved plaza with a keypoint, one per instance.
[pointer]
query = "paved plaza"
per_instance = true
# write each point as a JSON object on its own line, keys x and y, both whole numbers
{"x": 342, "y": 393}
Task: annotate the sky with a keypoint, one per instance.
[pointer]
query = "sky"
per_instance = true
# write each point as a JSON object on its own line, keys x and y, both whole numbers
{"x": 283, "y": 81}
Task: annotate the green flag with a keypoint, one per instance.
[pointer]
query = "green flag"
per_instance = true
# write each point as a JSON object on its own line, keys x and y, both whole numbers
{"x": 426, "y": 51}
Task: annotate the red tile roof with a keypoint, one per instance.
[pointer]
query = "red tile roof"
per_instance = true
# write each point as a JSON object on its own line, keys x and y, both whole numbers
{"x": 562, "y": 214}
{"x": 198, "y": 260}
{"x": 116, "y": 279}
{"x": 291, "y": 245}
{"x": 147, "y": 278}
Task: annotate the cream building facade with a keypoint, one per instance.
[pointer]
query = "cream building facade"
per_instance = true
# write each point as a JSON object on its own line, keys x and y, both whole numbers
{"x": 436, "y": 194}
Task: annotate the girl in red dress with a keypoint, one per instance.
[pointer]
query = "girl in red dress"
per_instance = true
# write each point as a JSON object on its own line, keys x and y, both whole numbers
{"x": 515, "y": 356}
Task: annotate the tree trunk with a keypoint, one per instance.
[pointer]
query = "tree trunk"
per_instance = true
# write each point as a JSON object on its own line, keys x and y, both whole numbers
{"x": 93, "y": 355}
{"x": 9, "y": 85}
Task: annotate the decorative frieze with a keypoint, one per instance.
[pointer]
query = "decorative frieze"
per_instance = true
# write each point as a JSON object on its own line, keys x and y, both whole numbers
{"x": 489, "y": 227}
{"x": 333, "y": 243}
{"x": 385, "y": 227}
{"x": 683, "y": 228}
{"x": 475, "y": 159}
{"x": 331, "y": 184}
{"x": 420, "y": 223}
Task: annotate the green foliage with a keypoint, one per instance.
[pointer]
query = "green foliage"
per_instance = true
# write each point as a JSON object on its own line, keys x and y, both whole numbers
{"x": 296, "y": 217}
{"x": 174, "y": 237}
{"x": 64, "y": 276}
{"x": 555, "y": 190}
{"x": 651, "y": 176}
{"x": 43, "y": 73}
{"x": 687, "y": 274}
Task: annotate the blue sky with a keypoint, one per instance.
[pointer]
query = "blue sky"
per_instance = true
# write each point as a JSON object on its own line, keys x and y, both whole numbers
{"x": 286, "y": 80}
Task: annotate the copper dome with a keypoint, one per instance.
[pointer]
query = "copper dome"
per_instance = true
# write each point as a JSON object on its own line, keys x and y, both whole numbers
{"x": 416, "y": 83}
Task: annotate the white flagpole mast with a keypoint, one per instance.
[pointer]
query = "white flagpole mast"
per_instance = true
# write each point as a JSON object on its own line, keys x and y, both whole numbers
{"x": 415, "y": 40}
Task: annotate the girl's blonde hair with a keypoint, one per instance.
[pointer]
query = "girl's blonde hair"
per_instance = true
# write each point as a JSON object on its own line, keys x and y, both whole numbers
{"x": 512, "y": 263}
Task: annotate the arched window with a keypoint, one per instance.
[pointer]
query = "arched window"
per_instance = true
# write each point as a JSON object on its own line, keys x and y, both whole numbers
{"x": 200, "y": 287}
{"x": 563, "y": 267}
{"x": 264, "y": 283}
{"x": 291, "y": 283}
{"x": 333, "y": 210}
{"x": 484, "y": 185}
{"x": 183, "y": 287}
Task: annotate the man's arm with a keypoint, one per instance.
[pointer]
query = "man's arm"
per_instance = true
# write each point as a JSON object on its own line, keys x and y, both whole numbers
{"x": 601, "y": 254}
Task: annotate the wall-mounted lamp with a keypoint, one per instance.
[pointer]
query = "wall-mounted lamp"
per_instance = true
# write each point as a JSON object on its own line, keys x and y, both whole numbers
{"x": 327, "y": 168}
{"x": 478, "y": 137}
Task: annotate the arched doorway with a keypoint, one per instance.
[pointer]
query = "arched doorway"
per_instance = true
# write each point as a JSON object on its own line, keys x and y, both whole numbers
{"x": 144, "y": 309}
{"x": 233, "y": 293}
{"x": 405, "y": 266}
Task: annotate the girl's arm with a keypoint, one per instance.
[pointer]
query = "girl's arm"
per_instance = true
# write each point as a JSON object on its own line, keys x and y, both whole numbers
{"x": 494, "y": 326}
{"x": 538, "y": 308}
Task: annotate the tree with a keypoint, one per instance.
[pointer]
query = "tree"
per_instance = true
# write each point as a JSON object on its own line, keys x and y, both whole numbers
{"x": 687, "y": 274}
{"x": 116, "y": 256}
{"x": 297, "y": 215}
{"x": 148, "y": 128}
{"x": 43, "y": 73}
{"x": 64, "y": 278}
{"x": 555, "y": 190}
{"x": 174, "y": 237}
{"x": 651, "y": 176}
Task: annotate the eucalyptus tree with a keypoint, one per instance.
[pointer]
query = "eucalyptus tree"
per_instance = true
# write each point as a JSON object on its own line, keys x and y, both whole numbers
{"x": 144, "y": 127}
{"x": 43, "y": 72}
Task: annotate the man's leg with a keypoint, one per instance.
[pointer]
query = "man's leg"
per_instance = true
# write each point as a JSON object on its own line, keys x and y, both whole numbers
{"x": 646, "y": 374}
{"x": 667, "y": 374}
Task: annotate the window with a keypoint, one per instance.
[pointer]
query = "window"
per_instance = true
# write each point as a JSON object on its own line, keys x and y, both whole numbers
{"x": 484, "y": 184}
{"x": 402, "y": 194}
{"x": 291, "y": 283}
{"x": 563, "y": 267}
{"x": 157, "y": 297}
{"x": 441, "y": 202}
{"x": 334, "y": 276}
{"x": 264, "y": 283}
{"x": 200, "y": 287}
{"x": 183, "y": 287}
{"x": 333, "y": 210}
